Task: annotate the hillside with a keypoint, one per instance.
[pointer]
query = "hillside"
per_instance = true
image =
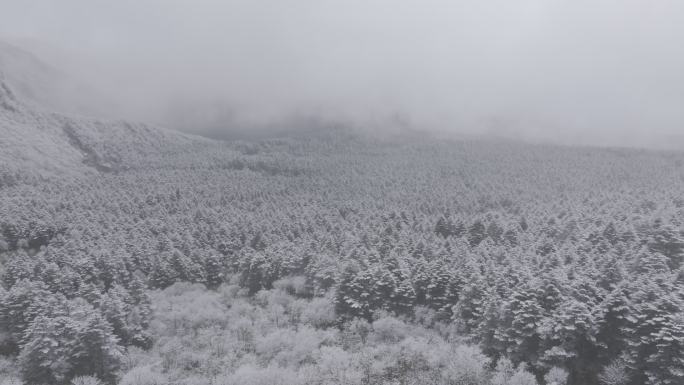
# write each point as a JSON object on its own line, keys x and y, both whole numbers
{"x": 37, "y": 142}
{"x": 41, "y": 84}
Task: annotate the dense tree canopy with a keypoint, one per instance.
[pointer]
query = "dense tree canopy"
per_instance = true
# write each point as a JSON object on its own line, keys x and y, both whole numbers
{"x": 548, "y": 257}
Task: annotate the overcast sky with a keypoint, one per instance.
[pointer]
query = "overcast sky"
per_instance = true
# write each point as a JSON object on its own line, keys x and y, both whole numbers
{"x": 589, "y": 71}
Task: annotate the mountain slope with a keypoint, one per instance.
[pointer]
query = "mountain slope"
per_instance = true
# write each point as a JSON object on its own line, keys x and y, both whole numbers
{"x": 38, "y": 83}
{"x": 41, "y": 143}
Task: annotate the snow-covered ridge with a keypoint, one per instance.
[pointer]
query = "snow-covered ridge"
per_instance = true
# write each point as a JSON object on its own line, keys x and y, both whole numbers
{"x": 42, "y": 143}
{"x": 38, "y": 83}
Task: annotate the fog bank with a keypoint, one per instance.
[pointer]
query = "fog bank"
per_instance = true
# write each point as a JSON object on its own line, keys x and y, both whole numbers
{"x": 606, "y": 72}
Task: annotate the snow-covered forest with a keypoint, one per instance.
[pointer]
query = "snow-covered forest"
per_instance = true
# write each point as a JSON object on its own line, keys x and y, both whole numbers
{"x": 336, "y": 258}
{"x": 357, "y": 192}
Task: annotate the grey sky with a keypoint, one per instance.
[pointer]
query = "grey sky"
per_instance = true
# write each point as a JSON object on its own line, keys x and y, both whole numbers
{"x": 588, "y": 71}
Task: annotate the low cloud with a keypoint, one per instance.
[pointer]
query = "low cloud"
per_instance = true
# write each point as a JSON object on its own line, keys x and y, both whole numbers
{"x": 602, "y": 72}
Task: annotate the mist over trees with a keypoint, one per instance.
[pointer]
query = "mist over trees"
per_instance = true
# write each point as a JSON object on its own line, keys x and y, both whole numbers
{"x": 384, "y": 193}
{"x": 393, "y": 261}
